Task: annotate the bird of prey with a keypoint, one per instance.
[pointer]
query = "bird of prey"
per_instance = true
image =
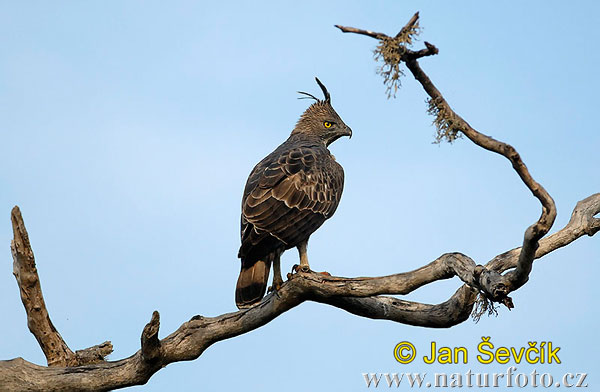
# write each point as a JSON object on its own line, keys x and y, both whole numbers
{"x": 288, "y": 195}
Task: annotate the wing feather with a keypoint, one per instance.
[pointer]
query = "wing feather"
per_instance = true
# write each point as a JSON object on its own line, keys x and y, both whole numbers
{"x": 287, "y": 197}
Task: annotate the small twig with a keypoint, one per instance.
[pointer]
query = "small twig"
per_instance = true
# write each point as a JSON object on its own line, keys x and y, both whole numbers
{"x": 409, "y": 26}
{"x": 361, "y": 31}
{"x": 430, "y": 50}
{"x": 94, "y": 354}
{"x": 150, "y": 342}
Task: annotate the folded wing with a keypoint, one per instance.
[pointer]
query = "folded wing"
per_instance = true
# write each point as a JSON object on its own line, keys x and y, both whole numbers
{"x": 287, "y": 197}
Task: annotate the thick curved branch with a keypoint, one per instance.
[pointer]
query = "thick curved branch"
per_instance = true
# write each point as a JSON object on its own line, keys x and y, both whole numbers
{"x": 453, "y": 123}
{"x": 582, "y": 223}
{"x": 535, "y": 232}
{"x": 454, "y": 311}
{"x": 357, "y": 296}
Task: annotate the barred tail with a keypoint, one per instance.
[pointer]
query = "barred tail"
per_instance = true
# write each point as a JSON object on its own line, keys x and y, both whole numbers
{"x": 252, "y": 283}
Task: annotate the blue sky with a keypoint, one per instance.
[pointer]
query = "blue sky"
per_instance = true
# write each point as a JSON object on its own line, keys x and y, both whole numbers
{"x": 128, "y": 130}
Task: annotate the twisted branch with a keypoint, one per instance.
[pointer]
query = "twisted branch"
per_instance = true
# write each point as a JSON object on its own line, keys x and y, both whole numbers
{"x": 358, "y": 296}
{"x": 452, "y": 124}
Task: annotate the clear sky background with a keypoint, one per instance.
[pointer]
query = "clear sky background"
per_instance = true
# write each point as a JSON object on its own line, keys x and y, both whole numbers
{"x": 128, "y": 130}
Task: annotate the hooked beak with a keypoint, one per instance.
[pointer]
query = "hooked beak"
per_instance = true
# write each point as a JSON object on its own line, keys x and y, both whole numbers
{"x": 348, "y": 132}
{"x": 338, "y": 134}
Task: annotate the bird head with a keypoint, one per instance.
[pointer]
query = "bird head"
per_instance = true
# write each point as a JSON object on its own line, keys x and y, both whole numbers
{"x": 321, "y": 120}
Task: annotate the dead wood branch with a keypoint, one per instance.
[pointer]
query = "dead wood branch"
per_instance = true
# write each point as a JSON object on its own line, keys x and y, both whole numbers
{"x": 38, "y": 320}
{"x": 449, "y": 124}
{"x": 358, "y": 296}
{"x": 87, "y": 370}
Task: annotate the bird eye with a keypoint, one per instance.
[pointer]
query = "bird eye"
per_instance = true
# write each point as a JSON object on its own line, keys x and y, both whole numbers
{"x": 327, "y": 124}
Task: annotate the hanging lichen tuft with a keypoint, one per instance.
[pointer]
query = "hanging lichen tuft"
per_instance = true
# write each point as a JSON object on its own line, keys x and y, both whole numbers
{"x": 445, "y": 124}
{"x": 390, "y": 50}
{"x": 483, "y": 306}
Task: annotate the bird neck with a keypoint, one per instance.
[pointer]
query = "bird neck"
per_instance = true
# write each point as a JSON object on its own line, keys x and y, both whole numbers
{"x": 298, "y": 136}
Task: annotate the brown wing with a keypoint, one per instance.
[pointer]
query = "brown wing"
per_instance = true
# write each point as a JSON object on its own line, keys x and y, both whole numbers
{"x": 287, "y": 197}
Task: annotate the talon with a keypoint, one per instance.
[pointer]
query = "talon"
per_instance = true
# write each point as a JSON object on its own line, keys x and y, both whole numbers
{"x": 300, "y": 268}
{"x": 274, "y": 287}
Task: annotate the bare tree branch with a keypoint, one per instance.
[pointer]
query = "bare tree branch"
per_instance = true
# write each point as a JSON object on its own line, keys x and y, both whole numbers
{"x": 582, "y": 222}
{"x": 87, "y": 370}
{"x": 453, "y": 123}
{"x": 355, "y": 295}
{"x": 535, "y": 232}
{"x": 38, "y": 320}
{"x": 52, "y": 344}
{"x": 368, "y": 33}
{"x": 409, "y": 26}
{"x": 150, "y": 343}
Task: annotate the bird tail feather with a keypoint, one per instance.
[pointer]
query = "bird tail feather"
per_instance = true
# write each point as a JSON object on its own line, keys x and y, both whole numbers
{"x": 252, "y": 283}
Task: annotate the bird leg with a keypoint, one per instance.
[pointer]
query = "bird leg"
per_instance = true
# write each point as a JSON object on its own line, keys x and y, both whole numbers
{"x": 277, "y": 280}
{"x": 304, "y": 267}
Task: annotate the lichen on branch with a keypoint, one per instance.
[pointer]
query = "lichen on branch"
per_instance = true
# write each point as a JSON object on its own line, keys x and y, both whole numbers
{"x": 447, "y": 128}
{"x": 391, "y": 50}
{"x": 482, "y": 306}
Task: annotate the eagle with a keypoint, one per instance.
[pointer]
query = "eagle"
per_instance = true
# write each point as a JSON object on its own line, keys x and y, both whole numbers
{"x": 288, "y": 196}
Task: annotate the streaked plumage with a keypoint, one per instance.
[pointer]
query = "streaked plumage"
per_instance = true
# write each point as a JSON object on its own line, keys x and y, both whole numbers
{"x": 288, "y": 195}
